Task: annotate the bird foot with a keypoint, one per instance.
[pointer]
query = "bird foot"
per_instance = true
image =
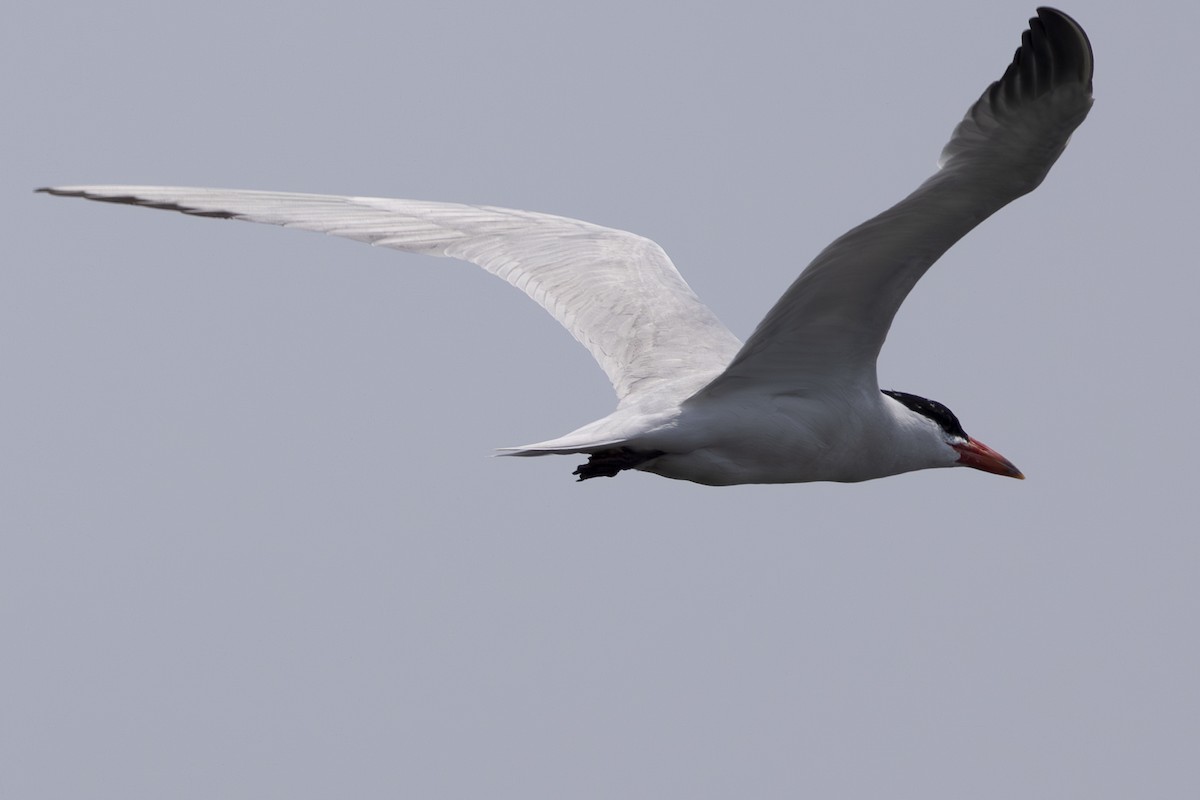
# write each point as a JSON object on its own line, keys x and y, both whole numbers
{"x": 607, "y": 463}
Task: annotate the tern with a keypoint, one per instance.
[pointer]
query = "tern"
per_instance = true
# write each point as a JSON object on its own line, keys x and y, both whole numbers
{"x": 799, "y": 400}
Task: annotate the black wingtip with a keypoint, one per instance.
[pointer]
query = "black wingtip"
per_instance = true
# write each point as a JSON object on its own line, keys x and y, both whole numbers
{"x": 1071, "y": 44}
{"x": 1055, "y": 52}
{"x": 133, "y": 200}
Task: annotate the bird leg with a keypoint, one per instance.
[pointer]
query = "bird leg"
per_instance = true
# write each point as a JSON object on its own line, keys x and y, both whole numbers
{"x": 607, "y": 463}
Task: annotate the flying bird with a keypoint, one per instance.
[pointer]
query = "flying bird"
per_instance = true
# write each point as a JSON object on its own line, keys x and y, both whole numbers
{"x": 799, "y": 400}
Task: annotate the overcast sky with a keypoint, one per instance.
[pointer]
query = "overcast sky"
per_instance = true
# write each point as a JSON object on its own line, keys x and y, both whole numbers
{"x": 254, "y": 544}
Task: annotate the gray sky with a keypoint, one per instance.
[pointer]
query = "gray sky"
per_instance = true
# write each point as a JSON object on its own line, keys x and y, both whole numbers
{"x": 253, "y": 541}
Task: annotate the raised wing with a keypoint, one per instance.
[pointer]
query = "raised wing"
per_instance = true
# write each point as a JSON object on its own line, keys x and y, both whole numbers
{"x": 616, "y": 292}
{"x": 826, "y": 331}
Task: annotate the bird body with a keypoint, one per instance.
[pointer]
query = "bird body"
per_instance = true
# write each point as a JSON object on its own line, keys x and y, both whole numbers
{"x": 799, "y": 400}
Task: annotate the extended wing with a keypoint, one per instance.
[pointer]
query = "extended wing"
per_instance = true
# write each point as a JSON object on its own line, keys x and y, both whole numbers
{"x": 616, "y": 292}
{"x": 826, "y": 331}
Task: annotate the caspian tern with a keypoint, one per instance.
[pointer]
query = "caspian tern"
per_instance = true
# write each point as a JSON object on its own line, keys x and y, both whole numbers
{"x": 799, "y": 401}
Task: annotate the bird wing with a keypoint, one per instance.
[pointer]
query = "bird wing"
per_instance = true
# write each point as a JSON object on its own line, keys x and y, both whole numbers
{"x": 616, "y": 292}
{"x": 826, "y": 331}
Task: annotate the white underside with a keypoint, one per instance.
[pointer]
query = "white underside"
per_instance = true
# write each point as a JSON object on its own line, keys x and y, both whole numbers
{"x": 752, "y": 437}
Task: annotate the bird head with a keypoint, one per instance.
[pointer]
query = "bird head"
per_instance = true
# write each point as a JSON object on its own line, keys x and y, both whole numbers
{"x": 953, "y": 443}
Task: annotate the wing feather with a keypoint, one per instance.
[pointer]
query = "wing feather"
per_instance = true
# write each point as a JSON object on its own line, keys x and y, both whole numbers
{"x": 826, "y": 331}
{"x": 616, "y": 292}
